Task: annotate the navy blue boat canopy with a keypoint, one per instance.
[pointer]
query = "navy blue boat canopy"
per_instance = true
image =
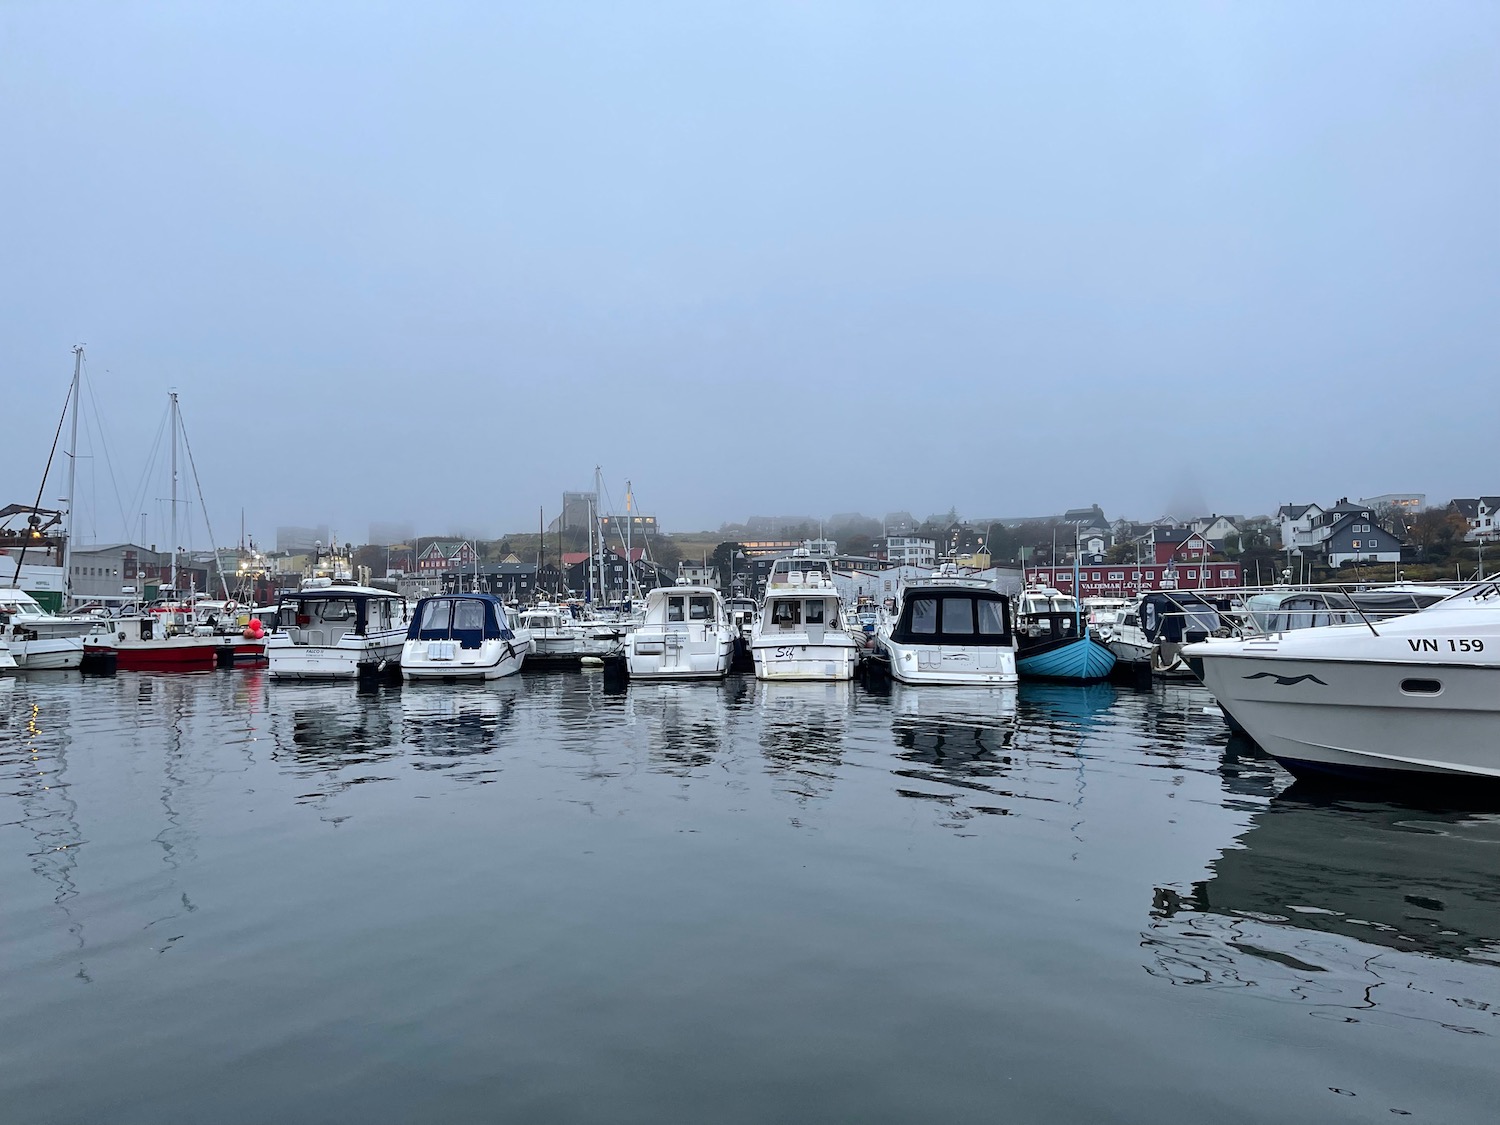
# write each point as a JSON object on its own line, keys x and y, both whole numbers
{"x": 469, "y": 619}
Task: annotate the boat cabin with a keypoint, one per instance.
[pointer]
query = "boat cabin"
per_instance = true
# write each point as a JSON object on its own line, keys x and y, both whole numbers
{"x": 469, "y": 619}
{"x": 788, "y": 612}
{"x": 799, "y": 569}
{"x": 954, "y": 615}
{"x": 1176, "y": 617}
{"x": 1047, "y": 614}
{"x": 321, "y": 615}
{"x": 674, "y": 605}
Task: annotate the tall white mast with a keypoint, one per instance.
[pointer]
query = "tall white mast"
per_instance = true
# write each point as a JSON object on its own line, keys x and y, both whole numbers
{"x": 173, "y": 425}
{"x": 72, "y": 478}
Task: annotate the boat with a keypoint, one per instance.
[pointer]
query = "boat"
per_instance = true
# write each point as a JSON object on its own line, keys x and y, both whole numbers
{"x": 559, "y": 639}
{"x": 1416, "y": 696}
{"x": 39, "y": 639}
{"x": 462, "y": 637}
{"x": 1150, "y": 633}
{"x": 326, "y": 631}
{"x": 1053, "y": 641}
{"x": 7, "y": 661}
{"x": 948, "y": 629}
{"x": 1103, "y": 614}
{"x": 161, "y": 639}
{"x": 865, "y": 617}
{"x": 685, "y": 636}
{"x": 801, "y": 633}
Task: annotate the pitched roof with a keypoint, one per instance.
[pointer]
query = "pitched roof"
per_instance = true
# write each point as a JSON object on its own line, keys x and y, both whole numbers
{"x": 1293, "y": 511}
{"x": 1467, "y": 507}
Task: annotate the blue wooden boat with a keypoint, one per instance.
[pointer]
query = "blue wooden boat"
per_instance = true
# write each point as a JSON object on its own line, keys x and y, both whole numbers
{"x": 1053, "y": 641}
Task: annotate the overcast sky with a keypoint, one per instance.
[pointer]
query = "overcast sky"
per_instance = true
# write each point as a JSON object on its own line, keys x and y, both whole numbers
{"x": 434, "y": 262}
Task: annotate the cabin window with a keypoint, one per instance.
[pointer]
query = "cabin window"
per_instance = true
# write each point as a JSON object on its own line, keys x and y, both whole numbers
{"x": 958, "y": 616}
{"x": 786, "y": 613}
{"x": 437, "y": 616}
{"x": 468, "y": 615}
{"x": 674, "y": 609}
{"x": 924, "y": 615}
{"x": 700, "y": 609}
{"x": 815, "y": 613}
{"x": 991, "y": 619}
{"x": 339, "y": 610}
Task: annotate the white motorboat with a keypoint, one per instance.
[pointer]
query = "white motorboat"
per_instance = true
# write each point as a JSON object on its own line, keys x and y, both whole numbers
{"x": 685, "y": 636}
{"x": 950, "y": 630}
{"x": 324, "y": 631}
{"x": 40, "y": 640}
{"x": 800, "y": 633}
{"x": 7, "y": 661}
{"x": 559, "y": 638}
{"x": 1419, "y": 694}
{"x": 462, "y": 637}
{"x": 1150, "y": 633}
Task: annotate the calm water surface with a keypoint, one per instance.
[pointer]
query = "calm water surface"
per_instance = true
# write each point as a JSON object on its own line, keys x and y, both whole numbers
{"x": 233, "y": 901}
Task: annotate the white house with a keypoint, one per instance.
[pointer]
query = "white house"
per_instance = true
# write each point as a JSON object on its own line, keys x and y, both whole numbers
{"x": 907, "y": 550}
{"x": 1482, "y": 514}
{"x": 1297, "y": 525}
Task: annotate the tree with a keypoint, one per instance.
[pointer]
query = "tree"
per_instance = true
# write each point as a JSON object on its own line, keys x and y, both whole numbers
{"x": 372, "y": 557}
{"x": 1436, "y": 530}
{"x": 724, "y": 557}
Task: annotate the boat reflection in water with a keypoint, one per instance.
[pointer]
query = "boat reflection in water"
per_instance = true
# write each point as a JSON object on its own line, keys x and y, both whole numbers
{"x": 803, "y": 728}
{"x": 331, "y": 730}
{"x": 446, "y": 728}
{"x": 682, "y": 726}
{"x": 1064, "y": 713}
{"x": 953, "y": 742}
{"x": 1342, "y": 907}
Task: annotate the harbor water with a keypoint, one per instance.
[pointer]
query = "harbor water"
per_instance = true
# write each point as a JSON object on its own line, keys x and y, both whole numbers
{"x": 230, "y": 900}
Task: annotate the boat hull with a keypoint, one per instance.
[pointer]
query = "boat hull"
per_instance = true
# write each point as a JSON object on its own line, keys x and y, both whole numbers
{"x": 491, "y": 661}
{"x": 167, "y": 654}
{"x": 653, "y": 655}
{"x": 804, "y": 661}
{"x": 332, "y": 662}
{"x": 1361, "y": 718}
{"x": 957, "y": 665}
{"x": 47, "y": 654}
{"x": 1080, "y": 660}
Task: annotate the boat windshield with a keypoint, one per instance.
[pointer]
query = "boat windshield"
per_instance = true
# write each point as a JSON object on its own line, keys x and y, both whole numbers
{"x": 961, "y": 618}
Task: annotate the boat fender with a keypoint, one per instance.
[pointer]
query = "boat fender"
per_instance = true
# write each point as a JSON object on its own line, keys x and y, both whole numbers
{"x": 122, "y": 634}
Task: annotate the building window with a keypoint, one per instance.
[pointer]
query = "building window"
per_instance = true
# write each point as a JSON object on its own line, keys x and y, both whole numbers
{"x": 1192, "y": 574}
{"x": 1356, "y": 544}
{"x": 1117, "y": 576}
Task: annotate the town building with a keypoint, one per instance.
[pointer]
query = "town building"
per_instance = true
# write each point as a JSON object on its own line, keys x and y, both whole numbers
{"x": 1122, "y": 580}
{"x": 1482, "y": 514}
{"x": 910, "y": 550}
{"x": 1348, "y": 533}
{"x": 635, "y": 527}
{"x": 443, "y": 555}
{"x": 1296, "y": 522}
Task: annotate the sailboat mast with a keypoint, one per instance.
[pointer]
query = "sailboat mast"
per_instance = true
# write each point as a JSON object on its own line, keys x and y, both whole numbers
{"x": 72, "y": 478}
{"x": 173, "y": 396}
{"x": 592, "y": 598}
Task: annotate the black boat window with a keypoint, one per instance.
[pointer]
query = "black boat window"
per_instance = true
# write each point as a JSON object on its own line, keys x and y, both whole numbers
{"x": 991, "y": 619}
{"x": 815, "y": 612}
{"x": 786, "y": 613}
{"x": 958, "y": 616}
{"x": 700, "y": 609}
{"x": 674, "y": 609}
{"x": 924, "y": 616}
